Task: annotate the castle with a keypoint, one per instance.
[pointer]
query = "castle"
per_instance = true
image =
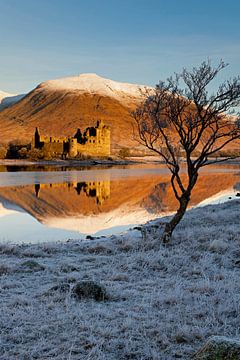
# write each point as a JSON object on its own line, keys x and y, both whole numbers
{"x": 94, "y": 141}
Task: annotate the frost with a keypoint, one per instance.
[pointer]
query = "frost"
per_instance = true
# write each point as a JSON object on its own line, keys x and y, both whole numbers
{"x": 164, "y": 301}
{"x": 218, "y": 246}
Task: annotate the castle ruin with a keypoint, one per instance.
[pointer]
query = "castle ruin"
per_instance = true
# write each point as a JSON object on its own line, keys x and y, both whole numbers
{"x": 94, "y": 141}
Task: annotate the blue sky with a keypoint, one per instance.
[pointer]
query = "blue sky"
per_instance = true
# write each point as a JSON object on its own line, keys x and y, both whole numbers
{"x": 140, "y": 41}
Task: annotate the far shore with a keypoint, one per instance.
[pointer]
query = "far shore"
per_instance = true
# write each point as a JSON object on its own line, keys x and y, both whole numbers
{"x": 87, "y": 162}
{"x": 98, "y": 161}
{"x": 59, "y": 162}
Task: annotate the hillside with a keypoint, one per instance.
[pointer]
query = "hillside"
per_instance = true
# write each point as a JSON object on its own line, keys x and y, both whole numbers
{"x": 60, "y": 106}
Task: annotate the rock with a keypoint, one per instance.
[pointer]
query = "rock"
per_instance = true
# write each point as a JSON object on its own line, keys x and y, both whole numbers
{"x": 139, "y": 228}
{"x": 90, "y": 237}
{"x": 183, "y": 339}
{"x": 219, "y": 348}
{"x": 238, "y": 194}
{"x": 89, "y": 290}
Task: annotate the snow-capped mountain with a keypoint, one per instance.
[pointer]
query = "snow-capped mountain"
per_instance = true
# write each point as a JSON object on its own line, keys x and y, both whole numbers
{"x": 58, "y": 107}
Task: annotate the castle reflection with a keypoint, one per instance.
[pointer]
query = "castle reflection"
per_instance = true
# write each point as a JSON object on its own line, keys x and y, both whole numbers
{"x": 94, "y": 189}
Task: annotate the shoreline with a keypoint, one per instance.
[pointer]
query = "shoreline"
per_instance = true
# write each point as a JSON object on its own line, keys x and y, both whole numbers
{"x": 99, "y": 162}
{"x": 163, "y": 301}
{"x": 66, "y": 163}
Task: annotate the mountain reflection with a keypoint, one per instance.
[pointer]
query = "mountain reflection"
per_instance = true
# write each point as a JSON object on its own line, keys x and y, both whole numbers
{"x": 69, "y": 204}
{"x": 151, "y": 195}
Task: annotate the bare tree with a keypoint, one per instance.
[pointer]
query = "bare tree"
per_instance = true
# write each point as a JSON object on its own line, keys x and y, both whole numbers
{"x": 180, "y": 118}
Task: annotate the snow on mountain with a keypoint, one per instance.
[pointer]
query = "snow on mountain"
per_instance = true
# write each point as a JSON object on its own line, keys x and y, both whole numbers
{"x": 7, "y": 99}
{"x": 4, "y": 95}
{"x": 94, "y": 84}
{"x": 4, "y": 211}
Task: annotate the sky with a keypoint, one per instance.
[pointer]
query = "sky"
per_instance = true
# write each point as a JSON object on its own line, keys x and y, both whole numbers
{"x": 138, "y": 41}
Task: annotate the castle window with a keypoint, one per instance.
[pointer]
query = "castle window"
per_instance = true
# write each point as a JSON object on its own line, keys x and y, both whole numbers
{"x": 92, "y": 131}
{"x": 93, "y": 141}
{"x": 92, "y": 192}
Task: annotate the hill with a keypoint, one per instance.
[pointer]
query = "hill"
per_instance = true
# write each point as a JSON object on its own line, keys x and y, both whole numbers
{"x": 60, "y": 106}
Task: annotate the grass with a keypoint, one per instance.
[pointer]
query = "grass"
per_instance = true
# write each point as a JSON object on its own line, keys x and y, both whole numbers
{"x": 163, "y": 301}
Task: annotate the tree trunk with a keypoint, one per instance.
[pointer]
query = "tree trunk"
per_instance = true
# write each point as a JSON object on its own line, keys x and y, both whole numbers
{"x": 167, "y": 234}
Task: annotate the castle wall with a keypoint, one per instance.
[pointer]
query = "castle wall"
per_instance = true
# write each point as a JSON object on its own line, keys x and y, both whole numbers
{"x": 54, "y": 148}
{"x": 93, "y": 149}
{"x": 96, "y": 142}
{"x": 98, "y": 145}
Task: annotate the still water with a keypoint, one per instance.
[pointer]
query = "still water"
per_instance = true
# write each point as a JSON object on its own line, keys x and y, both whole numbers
{"x": 39, "y": 204}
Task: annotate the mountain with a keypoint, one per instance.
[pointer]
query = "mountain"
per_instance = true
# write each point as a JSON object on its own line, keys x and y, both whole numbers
{"x": 59, "y": 107}
{"x": 7, "y": 99}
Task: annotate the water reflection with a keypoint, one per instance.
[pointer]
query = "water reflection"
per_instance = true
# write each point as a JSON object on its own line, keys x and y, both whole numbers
{"x": 31, "y": 168}
{"x": 96, "y": 202}
{"x": 100, "y": 190}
